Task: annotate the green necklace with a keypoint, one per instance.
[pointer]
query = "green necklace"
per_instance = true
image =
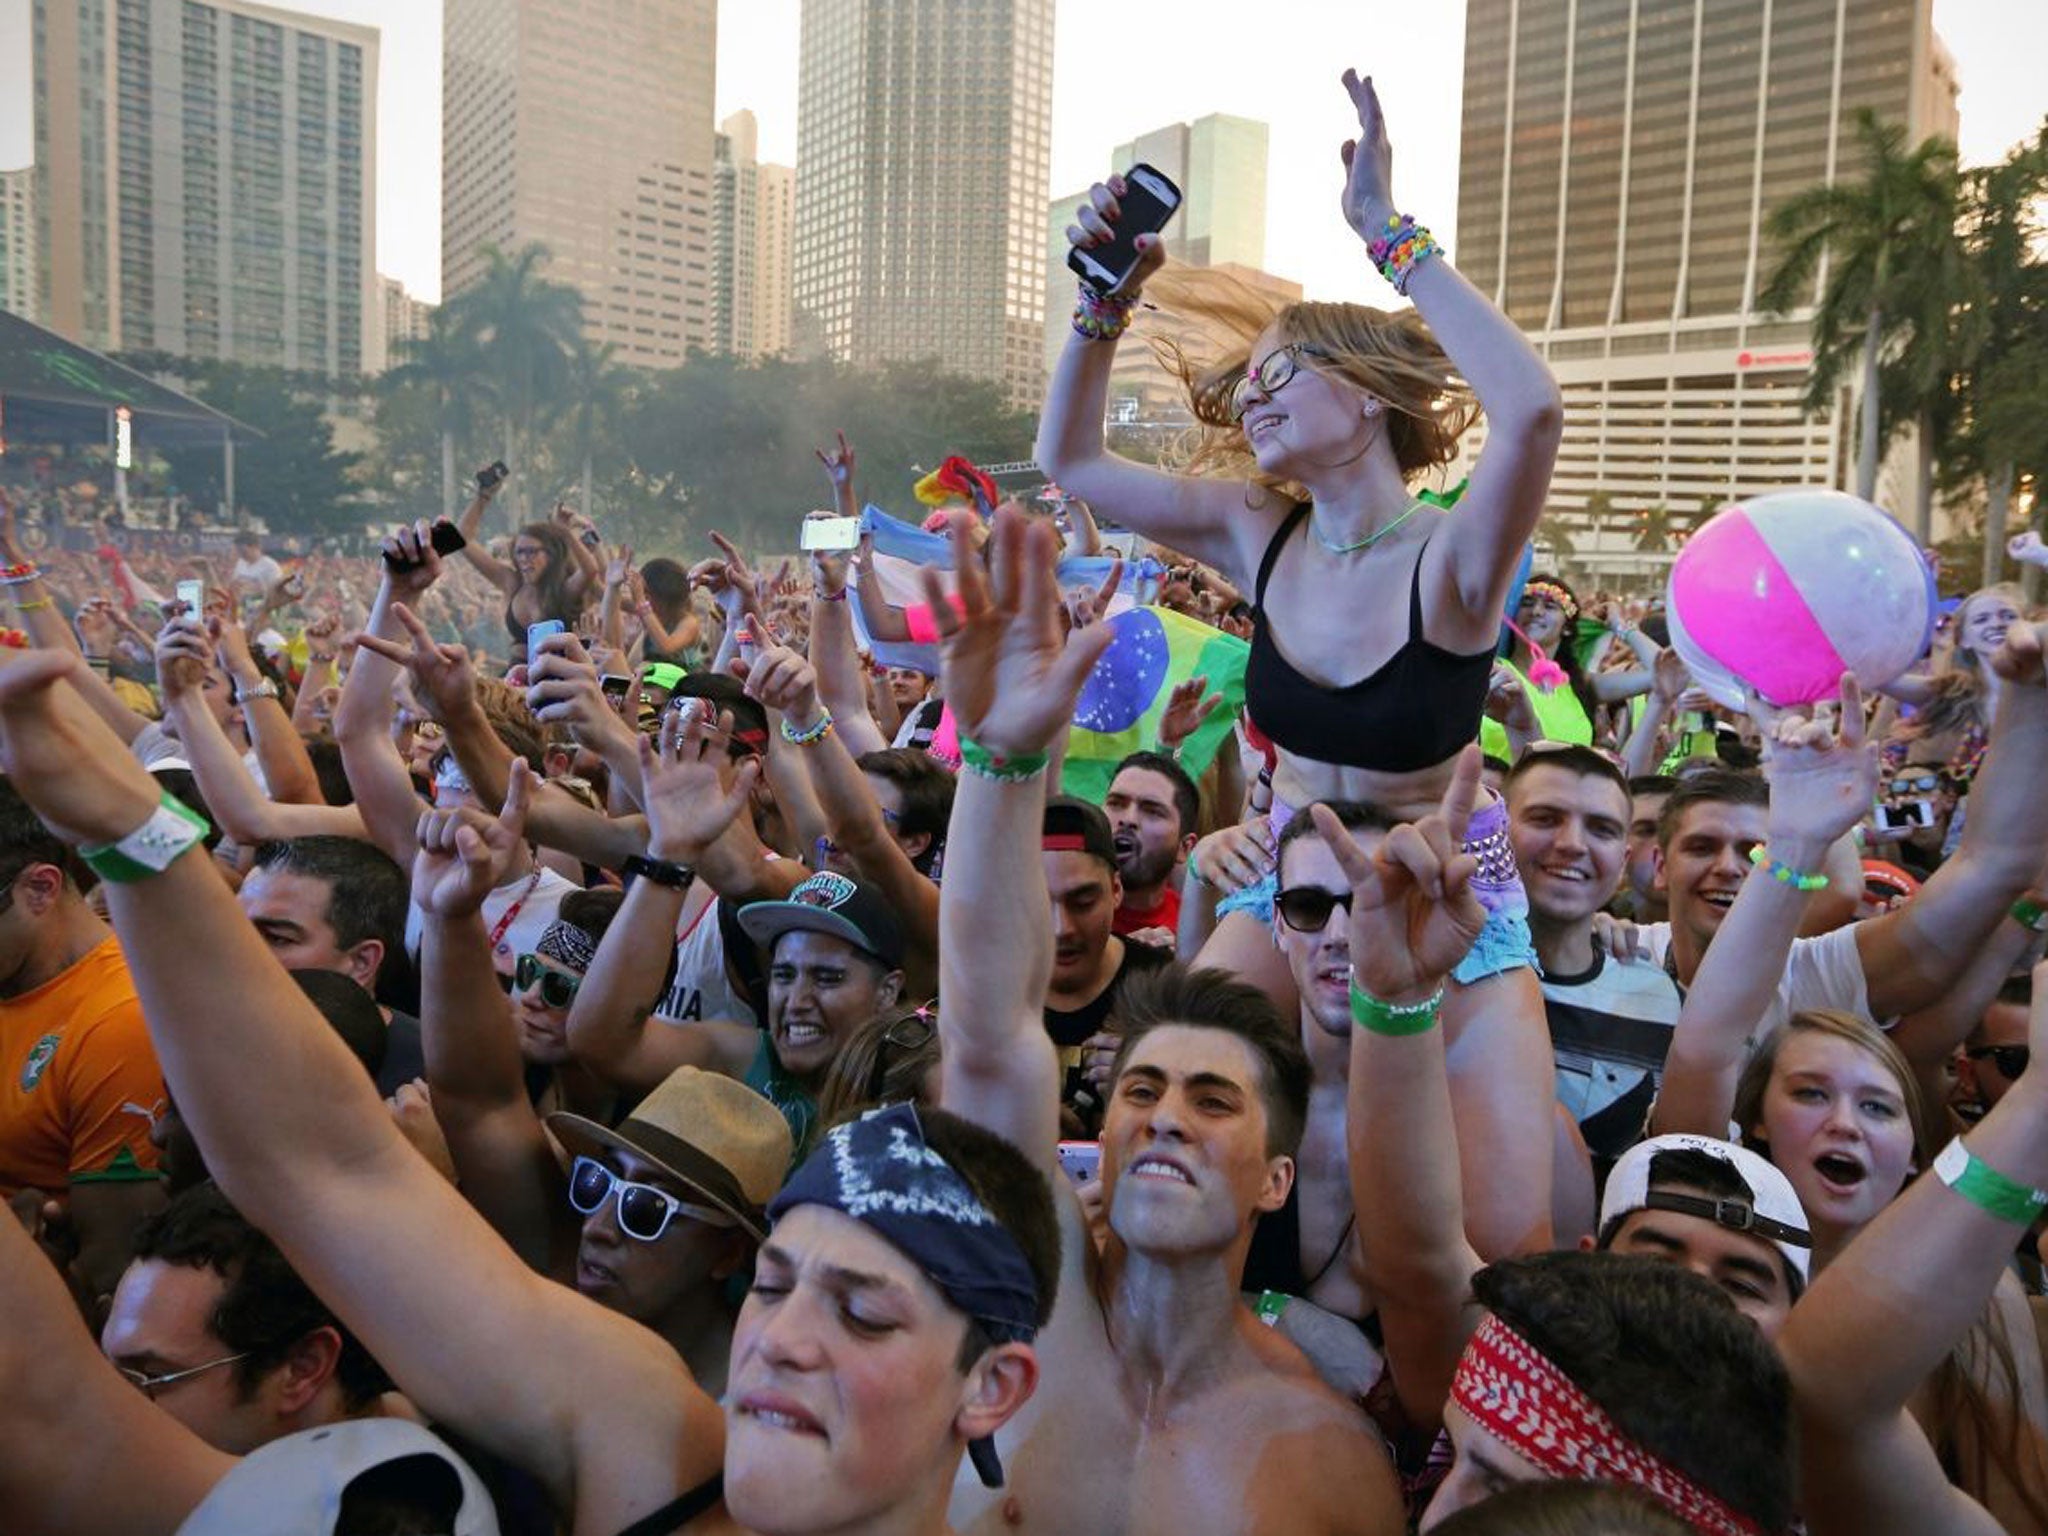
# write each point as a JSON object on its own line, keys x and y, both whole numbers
{"x": 1370, "y": 539}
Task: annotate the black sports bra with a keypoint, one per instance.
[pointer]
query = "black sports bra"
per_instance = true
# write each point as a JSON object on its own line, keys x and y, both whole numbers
{"x": 1413, "y": 713}
{"x": 680, "y": 1511}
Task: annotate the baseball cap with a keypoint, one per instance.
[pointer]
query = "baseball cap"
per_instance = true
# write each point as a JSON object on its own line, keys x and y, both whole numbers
{"x": 1078, "y": 826}
{"x": 1772, "y": 1212}
{"x": 662, "y": 674}
{"x": 835, "y": 904}
{"x": 710, "y": 1133}
{"x": 295, "y": 1486}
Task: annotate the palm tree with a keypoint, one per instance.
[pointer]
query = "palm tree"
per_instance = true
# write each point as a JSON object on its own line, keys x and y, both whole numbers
{"x": 1881, "y": 251}
{"x": 1653, "y": 530}
{"x": 596, "y": 390}
{"x": 447, "y": 365}
{"x": 527, "y": 328}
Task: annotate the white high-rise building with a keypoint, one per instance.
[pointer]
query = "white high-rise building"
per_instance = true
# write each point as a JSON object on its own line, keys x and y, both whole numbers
{"x": 18, "y": 242}
{"x": 924, "y": 149}
{"x": 753, "y": 243}
{"x": 1619, "y": 161}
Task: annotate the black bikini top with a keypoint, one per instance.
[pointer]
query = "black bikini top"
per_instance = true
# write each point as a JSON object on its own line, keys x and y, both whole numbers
{"x": 1414, "y": 712}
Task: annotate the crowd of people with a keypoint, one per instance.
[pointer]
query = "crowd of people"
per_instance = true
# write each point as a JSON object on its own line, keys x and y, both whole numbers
{"x": 1504, "y": 1091}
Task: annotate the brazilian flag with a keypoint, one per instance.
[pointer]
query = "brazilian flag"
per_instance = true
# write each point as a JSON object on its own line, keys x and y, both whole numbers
{"x": 1154, "y": 650}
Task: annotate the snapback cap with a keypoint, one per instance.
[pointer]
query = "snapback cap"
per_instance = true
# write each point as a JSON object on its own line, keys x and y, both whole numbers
{"x": 1772, "y": 1212}
{"x": 295, "y": 1486}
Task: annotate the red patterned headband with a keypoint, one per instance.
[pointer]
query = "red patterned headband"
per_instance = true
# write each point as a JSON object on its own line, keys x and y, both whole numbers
{"x": 1512, "y": 1390}
{"x": 1555, "y": 593}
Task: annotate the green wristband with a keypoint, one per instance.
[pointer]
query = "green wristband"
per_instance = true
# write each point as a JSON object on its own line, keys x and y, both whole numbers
{"x": 1379, "y": 1018}
{"x": 1271, "y": 1305}
{"x": 151, "y": 847}
{"x": 2031, "y": 913}
{"x": 984, "y": 764}
{"x": 1986, "y": 1188}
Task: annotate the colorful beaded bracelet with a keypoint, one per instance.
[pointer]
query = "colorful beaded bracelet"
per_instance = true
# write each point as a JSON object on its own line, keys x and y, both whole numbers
{"x": 1785, "y": 874}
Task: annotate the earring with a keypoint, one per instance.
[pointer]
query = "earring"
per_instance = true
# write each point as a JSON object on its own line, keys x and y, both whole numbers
{"x": 1372, "y": 408}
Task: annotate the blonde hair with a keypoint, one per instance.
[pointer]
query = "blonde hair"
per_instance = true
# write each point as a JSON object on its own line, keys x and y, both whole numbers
{"x": 1959, "y": 684}
{"x": 1857, "y": 1031}
{"x": 1212, "y": 321}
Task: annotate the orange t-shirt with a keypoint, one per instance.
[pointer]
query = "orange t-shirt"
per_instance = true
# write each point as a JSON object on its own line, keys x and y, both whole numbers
{"x": 79, "y": 1083}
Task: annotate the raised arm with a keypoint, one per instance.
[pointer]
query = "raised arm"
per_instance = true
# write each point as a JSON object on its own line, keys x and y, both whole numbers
{"x": 1917, "y": 1279}
{"x": 1822, "y": 784}
{"x": 1201, "y": 517}
{"x": 1669, "y": 677}
{"x": 502, "y": 1157}
{"x": 499, "y": 574}
{"x": 1413, "y": 917}
{"x": 842, "y": 683}
{"x": 308, "y": 1152}
{"x": 1012, "y": 682}
{"x": 280, "y": 750}
{"x": 690, "y": 803}
{"x": 1482, "y": 544}
{"x": 1914, "y": 955}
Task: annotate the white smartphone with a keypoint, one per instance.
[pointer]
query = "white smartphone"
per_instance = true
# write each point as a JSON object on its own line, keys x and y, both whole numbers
{"x": 1081, "y": 1161}
{"x": 830, "y": 533}
{"x": 193, "y": 595}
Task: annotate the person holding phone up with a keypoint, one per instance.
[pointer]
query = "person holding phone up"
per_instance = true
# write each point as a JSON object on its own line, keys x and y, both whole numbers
{"x": 1375, "y": 611}
{"x": 550, "y": 576}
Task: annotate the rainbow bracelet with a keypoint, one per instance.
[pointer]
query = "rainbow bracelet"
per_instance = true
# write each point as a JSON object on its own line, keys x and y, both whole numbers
{"x": 1401, "y": 247}
{"x": 1785, "y": 874}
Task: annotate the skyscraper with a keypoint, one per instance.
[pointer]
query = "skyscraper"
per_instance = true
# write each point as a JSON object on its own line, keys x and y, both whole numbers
{"x": 1219, "y": 164}
{"x": 1619, "y": 160}
{"x": 18, "y": 241}
{"x": 206, "y": 181}
{"x": 924, "y": 146}
{"x": 405, "y": 318}
{"x": 753, "y": 229}
{"x": 586, "y": 126}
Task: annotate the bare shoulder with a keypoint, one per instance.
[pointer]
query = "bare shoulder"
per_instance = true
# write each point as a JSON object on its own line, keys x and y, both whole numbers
{"x": 1311, "y": 1430}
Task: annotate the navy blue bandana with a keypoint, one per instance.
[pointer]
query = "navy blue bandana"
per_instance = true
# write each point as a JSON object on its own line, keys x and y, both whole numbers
{"x": 879, "y": 1171}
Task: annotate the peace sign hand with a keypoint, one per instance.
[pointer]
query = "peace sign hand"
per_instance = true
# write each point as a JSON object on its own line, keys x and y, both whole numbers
{"x": 465, "y": 852}
{"x": 1413, "y": 911}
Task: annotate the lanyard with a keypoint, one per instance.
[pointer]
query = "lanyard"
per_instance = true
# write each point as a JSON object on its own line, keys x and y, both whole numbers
{"x": 511, "y": 913}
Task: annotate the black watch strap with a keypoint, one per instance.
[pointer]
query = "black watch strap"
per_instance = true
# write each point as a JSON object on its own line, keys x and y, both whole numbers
{"x": 676, "y": 877}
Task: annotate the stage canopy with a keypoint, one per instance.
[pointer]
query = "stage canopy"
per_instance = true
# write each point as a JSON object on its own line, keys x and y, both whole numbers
{"x": 53, "y": 390}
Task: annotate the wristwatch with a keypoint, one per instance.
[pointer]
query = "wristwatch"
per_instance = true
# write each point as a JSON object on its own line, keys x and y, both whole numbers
{"x": 677, "y": 877}
{"x": 263, "y": 690}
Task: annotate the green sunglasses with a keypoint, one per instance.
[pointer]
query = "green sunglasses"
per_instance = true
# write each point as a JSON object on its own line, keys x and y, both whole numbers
{"x": 557, "y": 988}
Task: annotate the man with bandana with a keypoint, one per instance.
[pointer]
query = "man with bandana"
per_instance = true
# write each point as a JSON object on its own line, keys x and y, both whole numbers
{"x": 858, "y": 1376}
{"x": 1153, "y": 1364}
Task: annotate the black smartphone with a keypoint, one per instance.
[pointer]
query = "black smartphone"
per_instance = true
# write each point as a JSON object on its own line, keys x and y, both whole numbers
{"x": 1150, "y": 199}
{"x": 444, "y": 536}
{"x": 491, "y": 474}
{"x": 615, "y": 685}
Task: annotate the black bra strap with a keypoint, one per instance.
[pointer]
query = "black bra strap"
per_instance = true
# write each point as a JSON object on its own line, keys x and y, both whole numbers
{"x": 1272, "y": 555}
{"x": 1415, "y": 594}
{"x": 680, "y": 1511}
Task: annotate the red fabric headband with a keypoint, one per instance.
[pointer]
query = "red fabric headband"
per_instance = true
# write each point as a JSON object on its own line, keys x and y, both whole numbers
{"x": 1513, "y": 1391}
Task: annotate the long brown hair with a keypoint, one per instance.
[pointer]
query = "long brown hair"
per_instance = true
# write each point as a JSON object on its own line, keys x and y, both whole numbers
{"x": 1212, "y": 322}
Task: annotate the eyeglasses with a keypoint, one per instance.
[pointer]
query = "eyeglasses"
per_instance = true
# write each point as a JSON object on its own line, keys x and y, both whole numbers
{"x": 1272, "y": 375}
{"x": 906, "y": 1036}
{"x": 2011, "y": 1060}
{"x": 644, "y": 1211}
{"x": 1307, "y": 908}
{"x": 149, "y": 1385}
{"x": 557, "y": 988}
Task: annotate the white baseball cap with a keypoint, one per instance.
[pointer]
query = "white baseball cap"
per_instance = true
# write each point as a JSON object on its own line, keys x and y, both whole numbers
{"x": 1772, "y": 1212}
{"x": 294, "y": 1486}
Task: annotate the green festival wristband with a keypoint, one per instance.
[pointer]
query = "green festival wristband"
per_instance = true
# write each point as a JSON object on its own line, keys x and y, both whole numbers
{"x": 1379, "y": 1018}
{"x": 984, "y": 764}
{"x": 1985, "y": 1187}
{"x": 151, "y": 847}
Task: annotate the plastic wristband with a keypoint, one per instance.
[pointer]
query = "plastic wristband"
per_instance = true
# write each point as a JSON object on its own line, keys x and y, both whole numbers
{"x": 1986, "y": 1188}
{"x": 2029, "y": 912}
{"x": 833, "y": 597}
{"x": 1785, "y": 874}
{"x": 676, "y": 877}
{"x": 811, "y": 735}
{"x": 151, "y": 847}
{"x": 1379, "y": 1018}
{"x": 984, "y": 764}
{"x": 1270, "y": 1306}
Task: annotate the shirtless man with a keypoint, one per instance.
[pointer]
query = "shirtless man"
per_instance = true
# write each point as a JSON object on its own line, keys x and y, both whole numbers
{"x": 871, "y": 1355}
{"x": 1153, "y": 1365}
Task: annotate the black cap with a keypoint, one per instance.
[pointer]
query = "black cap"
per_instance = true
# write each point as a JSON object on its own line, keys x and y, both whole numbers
{"x": 1078, "y": 826}
{"x": 835, "y": 904}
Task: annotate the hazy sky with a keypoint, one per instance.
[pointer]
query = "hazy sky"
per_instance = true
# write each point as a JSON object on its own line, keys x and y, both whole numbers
{"x": 1119, "y": 70}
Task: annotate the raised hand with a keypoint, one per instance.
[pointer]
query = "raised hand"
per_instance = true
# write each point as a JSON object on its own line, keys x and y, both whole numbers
{"x": 1085, "y": 607}
{"x": 1508, "y": 702}
{"x": 1094, "y": 223}
{"x": 465, "y": 853}
{"x": 1011, "y": 680}
{"x": 690, "y": 791}
{"x": 1413, "y": 910}
{"x": 2020, "y": 658}
{"x": 1670, "y": 677}
{"x": 618, "y": 570}
{"x": 443, "y": 679}
{"x": 413, "y": 548}
{"x": 838, "y": 462}
{"x": 1823, "y": 779}
{"x": 782, "y": 680}
{"x": 2028, "y": 549}
{"x": 739, "y": 576}
{"x": 1186, "y": 708}
{"x": 183, "y": 657}
{"x": 97, "y": 627}
{"x": 1233, "y": 857}
{"x": 232, "y": 642}
{"x": 73, "y": 771}
{"x": 1368, "y": 162}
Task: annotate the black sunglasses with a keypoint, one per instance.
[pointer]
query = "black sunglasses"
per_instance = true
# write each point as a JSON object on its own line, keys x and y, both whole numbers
{"x": 907, "y": 1035}
{"x": 557, "y": 988}
{"x": 2011, "y": 1060}
{"x": 1306, "y": 908}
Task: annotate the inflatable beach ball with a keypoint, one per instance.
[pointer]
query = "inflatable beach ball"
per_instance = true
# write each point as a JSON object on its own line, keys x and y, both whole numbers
{"x": 1785, "y": 593}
